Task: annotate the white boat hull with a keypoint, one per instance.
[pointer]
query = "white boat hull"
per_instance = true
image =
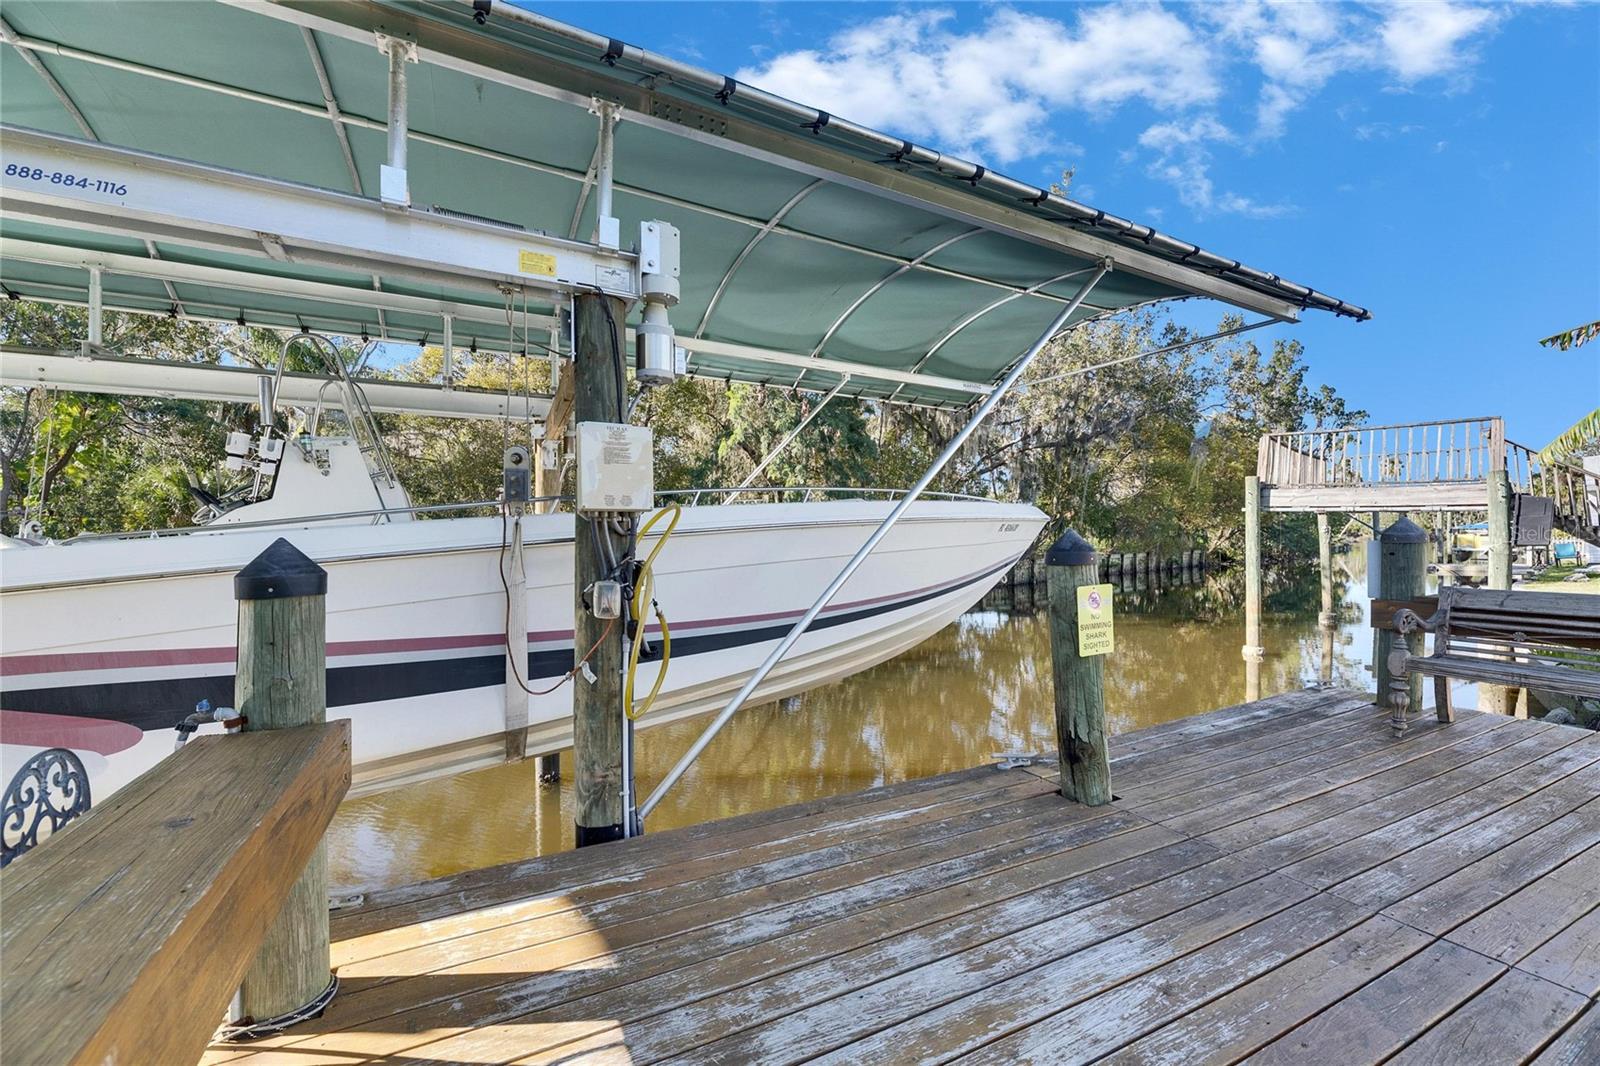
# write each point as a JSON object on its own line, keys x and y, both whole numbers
{"x": 105, "y": 646}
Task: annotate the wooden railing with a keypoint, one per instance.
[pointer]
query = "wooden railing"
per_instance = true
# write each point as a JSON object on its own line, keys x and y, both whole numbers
{"x": 127, "y": 932}
{"x": 1576, "y": 491}
{"x": 1464, "y": 450}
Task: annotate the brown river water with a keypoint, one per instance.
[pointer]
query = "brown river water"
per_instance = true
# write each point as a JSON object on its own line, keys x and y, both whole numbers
{"x": 979, "y": 687}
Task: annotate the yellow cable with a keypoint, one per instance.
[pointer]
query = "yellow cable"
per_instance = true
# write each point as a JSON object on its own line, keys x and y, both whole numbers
{"x": 642, "y": 590}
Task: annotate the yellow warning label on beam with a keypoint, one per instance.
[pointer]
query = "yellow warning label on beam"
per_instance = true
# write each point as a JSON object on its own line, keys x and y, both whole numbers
{"x": 536, "y": 263}
{"x": 1094, "y": 620}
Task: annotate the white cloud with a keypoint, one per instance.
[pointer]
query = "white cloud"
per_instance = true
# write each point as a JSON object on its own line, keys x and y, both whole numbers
{"x": 1181, "y": 157}
{"x": 995, "y": 91}
{"x": 1426, "y": 40}
{"x": 991, "y": 91}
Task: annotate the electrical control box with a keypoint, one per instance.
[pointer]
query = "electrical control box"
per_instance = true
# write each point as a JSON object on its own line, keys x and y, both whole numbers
{"x": 616, "y": 467}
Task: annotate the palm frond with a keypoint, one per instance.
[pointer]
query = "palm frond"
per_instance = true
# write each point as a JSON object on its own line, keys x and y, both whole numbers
{"x": 1585, "y": 432}
{"x": 1568, "y": 339}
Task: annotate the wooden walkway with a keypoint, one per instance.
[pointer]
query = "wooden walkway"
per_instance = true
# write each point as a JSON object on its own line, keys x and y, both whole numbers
{"x": 1277, "y": 882}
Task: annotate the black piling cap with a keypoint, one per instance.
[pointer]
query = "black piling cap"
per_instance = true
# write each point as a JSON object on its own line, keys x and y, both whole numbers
{"x": 1404, "y": 531}
{"x": 278, "y": 573}
{"x": 1070, "y": 550}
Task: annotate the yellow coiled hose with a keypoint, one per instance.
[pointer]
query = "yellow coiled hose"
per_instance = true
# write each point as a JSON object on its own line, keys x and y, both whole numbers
{"x": 643, "y": 589}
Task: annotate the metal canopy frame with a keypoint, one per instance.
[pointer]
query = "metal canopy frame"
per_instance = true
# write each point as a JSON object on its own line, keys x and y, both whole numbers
{"x": 443, "y": 30}
{"x": 440, "y": 35}
{"x": 901, "y": 506}
{"x": 24, "y": 367}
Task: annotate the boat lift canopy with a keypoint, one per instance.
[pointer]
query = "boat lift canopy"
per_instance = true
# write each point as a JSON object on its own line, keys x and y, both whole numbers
{"x": 238, "y": 162}
{"x": 446, "y": 172}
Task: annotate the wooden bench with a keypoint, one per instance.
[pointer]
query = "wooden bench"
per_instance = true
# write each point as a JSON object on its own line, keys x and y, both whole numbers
{"x": 1545, "y": 640}
{"x": 127, "y": 932}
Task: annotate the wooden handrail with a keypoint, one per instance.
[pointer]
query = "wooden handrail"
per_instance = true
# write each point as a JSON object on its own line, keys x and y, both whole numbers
{"x": 128, "y": 931}
{"x": 1458, "y": 451}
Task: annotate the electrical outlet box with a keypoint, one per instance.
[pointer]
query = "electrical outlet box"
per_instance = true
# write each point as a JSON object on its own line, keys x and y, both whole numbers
{"x": 616, "y": 467}
{"x": 606, "y": 599}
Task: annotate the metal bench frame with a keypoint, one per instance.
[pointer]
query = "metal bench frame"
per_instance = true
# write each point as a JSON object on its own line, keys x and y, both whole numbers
{"x": 1546, "y": 640}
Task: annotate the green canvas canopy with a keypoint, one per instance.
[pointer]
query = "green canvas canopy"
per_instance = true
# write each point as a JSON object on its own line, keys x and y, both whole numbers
{"x": 810, "y": 245}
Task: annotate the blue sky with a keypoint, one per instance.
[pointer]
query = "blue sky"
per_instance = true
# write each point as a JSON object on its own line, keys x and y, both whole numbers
{"x": 1438, "y": 163}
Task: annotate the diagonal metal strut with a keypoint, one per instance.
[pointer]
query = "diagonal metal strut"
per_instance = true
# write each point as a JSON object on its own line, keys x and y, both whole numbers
{"x": 750, "y": 478}
{"x": 900, "y": 508}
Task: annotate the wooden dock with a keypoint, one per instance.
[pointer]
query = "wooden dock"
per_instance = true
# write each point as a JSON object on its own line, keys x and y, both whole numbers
{"x": 1279, "y": 881}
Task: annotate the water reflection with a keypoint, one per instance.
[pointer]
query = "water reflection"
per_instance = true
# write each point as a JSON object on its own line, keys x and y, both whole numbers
{"x": 979, "y": 687}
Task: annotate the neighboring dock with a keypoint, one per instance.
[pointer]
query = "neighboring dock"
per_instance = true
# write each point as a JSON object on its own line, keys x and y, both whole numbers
{"x": 1280, "y": 879}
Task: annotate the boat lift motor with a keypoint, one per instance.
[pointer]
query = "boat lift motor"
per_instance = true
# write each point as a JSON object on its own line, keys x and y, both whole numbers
{"x": 656, "y": 359}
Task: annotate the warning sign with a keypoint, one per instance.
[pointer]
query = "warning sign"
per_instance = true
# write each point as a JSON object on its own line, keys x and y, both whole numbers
{"x": 1094, "y": 620}
{"x": 536, "y": 263}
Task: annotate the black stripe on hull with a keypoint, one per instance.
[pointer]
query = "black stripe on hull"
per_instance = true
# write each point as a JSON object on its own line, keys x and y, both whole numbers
{"x": 161, "y": 703}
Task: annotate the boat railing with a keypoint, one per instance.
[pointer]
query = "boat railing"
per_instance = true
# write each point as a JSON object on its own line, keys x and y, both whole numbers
{"x": 267, "y": 523}
{"x": 808, "y": 493}
{"x": 693, "y": 497}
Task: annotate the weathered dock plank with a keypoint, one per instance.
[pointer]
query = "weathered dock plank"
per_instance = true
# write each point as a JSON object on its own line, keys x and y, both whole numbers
{"x": 1507, "y": 1022}
{"x": 1386, "y": 1014}
{"x": 1276, "y": 881}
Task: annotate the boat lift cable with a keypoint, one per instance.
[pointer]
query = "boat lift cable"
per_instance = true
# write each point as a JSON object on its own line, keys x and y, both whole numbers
{"x": 1165, "y": 349}
{"x": 793, "y": 434}
{"x": 517, "y": 670}
{"x": 793, "y": 636}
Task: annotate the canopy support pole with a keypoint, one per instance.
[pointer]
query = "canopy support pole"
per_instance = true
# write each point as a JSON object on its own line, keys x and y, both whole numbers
{"x": 607, "y": 229}
{"x": 394, "y": 186}
{"x": 447, "y": 368}
{"x": 793, "y": 636}
{"x": 97, "y": 313}
{"x": 750, "y": 478}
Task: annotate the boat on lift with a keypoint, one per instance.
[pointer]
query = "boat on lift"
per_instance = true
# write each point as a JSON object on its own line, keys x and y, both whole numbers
{"x": 126, "y": 634}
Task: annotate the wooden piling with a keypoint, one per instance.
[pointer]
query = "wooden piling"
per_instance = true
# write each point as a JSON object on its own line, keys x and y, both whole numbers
{"x": 597, "y": 706}
{"x": 1079, "y": 681}
{"x": 1403, "y": 576}
{"x": 548, "y": 767}
{"x": 1498, "y": 699}
{"x": 1325, "y": 568}
{"x": 1252, "y": 570}
{"x": 281, "y": 682}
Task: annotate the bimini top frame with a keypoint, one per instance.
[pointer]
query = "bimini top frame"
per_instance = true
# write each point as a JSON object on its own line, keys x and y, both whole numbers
{"x": 813, "y": 248}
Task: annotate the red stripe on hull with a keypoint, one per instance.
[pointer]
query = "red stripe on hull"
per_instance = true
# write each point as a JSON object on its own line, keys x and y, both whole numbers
{"x": 66, "y": 731}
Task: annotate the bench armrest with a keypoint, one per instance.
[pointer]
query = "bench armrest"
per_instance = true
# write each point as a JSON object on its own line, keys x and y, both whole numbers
{"x": 1408, "y": 621}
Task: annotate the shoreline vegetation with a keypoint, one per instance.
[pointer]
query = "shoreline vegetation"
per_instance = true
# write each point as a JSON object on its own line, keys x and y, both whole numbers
{"x": 1149, "y": 453}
